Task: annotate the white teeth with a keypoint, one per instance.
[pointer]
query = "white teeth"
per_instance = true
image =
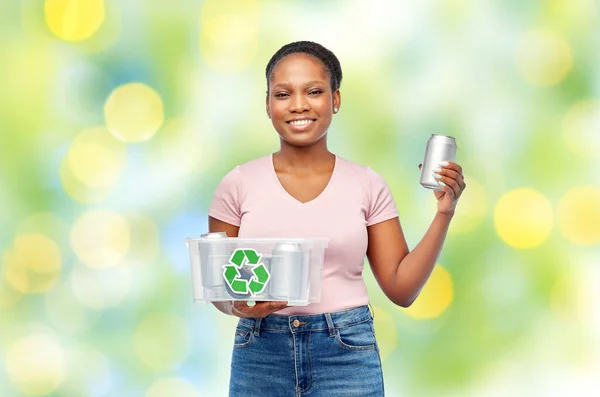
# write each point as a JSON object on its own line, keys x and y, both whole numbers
{"x": 301, "y": 122}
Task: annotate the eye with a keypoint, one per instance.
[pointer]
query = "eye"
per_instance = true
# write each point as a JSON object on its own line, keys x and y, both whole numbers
{"x": 281, "y": 95}
{"x": 315, "y": 92}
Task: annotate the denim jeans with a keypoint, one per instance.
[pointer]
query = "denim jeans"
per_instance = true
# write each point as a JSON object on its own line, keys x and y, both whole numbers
{"x": 331, "y": 354}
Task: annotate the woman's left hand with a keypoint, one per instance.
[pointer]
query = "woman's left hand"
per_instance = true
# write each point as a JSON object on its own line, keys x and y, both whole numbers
{"x": 450, "y": 177}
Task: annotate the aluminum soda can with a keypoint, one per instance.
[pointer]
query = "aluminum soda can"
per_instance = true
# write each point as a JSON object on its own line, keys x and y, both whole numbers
{"x": 439, "y": 148}
{"x": 288, "y": 272}
{"x": 212, "y": 259}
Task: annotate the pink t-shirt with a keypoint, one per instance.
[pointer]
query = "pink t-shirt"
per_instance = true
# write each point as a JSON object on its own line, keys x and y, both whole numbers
{"x": 250, "y": 196}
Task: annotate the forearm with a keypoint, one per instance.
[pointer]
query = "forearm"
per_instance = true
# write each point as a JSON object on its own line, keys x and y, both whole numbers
{"x": 225, "y": 307}
{"x": 416, "y": 267}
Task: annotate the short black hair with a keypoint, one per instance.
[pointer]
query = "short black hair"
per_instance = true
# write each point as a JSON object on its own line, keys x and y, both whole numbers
{"x": 327, "y": 58}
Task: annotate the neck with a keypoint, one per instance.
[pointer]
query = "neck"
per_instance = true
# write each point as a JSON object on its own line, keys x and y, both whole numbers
{"x": 314, "y": 156}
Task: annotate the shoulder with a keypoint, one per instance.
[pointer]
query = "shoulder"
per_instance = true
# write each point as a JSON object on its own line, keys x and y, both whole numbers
{"x": 364, "y": 174}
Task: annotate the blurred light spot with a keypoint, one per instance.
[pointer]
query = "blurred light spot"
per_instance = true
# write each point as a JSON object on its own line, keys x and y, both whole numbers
{"x": 544, "y": 57}
{"x": 33, "y": 264}
{"x": 473, "y": 207}
{"x": 229, "y": 33}
{"x": 145, "y": 241}
{"x": 36, "y": 365}
{"x": 172, "y": 387}
{"x": 77, "y": 190}
{"x": 162, "y": 342}
{"x": 386, "y": 332}
{"x": 579, "y": 215}
{"x": 89, "y": 373}
{"x": 435, "y": 297}
{"x": 96, "y": 158}
{"x": 101, "y": 288}
{"x": 581, "y": 128}
{"x": 74, "y": 20}
{"x": 67, "y": 312}
{"x": 48, "y": 224}
{"x": 100, "y": 239}
{"x": 523, "y": 218}
{"x": 9, "y": 297}
{"x": 134, "y": 112}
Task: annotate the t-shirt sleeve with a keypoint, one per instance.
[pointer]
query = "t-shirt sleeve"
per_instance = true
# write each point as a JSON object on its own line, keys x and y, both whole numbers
{"x": 225, "y": 205}
{"x": 381, "y": 201}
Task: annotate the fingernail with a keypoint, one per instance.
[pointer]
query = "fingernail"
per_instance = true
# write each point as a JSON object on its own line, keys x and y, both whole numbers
{"x": 437, "y": 169}
{"x": 441, "y": 183}
{"x": 437, "y": 176}
{"x": 444, "y": 164}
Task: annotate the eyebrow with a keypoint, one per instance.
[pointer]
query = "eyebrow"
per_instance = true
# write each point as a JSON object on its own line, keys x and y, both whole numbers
{"x": 306, "y": 85}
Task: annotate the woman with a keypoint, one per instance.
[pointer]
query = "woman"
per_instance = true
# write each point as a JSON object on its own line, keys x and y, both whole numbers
{"x": 304, "y": 190}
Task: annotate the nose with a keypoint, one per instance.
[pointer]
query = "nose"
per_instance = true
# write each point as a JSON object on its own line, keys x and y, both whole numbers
{"x": 299, "y": 104}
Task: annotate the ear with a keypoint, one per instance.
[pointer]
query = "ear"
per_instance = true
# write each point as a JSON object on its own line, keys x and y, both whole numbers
{"x": 267, "y": 105}
{"x": 337, "y": 99}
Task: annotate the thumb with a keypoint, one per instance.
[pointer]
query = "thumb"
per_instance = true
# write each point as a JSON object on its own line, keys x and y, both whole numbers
{"x": 420, "y": 166}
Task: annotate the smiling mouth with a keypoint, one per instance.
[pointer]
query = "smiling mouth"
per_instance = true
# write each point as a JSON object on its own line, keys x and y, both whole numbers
{"x": 301, "y": 123}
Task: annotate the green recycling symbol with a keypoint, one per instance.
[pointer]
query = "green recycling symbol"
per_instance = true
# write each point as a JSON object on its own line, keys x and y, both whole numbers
{"x": 260, "y": 274}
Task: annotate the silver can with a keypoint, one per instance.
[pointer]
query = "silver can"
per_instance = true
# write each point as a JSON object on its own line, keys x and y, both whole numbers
{"x": 289, "y": 273}
{"x": 212, "y": 259}
{"x": 439, "y": 148}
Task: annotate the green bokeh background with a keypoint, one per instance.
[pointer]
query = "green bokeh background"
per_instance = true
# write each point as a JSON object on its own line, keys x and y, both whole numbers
{"x": 522, "y": 321}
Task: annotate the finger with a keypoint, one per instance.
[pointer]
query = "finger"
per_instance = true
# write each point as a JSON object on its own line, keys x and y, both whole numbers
{"x": 451, "y": 165}
{"x": 420, "y": 166}
{"x": 448, "y": 190}
{"x": 451, "y": 173}
{"x": 451, "y": 183}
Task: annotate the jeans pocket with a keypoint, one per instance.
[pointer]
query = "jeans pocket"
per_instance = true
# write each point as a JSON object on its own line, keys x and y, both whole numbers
{"x": 356, "y": 337}
{"x": 243, "y": 337}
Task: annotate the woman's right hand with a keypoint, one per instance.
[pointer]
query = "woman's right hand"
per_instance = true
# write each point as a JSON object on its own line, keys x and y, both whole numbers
{"x": 258, "y": 310}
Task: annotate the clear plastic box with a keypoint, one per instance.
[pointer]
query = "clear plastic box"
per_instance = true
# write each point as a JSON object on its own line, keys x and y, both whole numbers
{"x": 256, "y": 269}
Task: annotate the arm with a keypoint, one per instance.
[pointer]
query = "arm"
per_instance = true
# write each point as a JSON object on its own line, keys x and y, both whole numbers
{"x": 401, "y": 273}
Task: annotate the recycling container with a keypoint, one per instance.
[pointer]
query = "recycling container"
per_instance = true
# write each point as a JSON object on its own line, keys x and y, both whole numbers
{"x": 256, "y": 269}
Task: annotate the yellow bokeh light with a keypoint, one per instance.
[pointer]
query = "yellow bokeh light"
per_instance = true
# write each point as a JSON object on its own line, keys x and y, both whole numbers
{"x": 36, "y": 365}
{"x": 74, "y": 20}
{"x": 134, "y": 112}
{"x": 435, "y": 297}
{"x": 100, "y": 239}
{"x": 9, "y": 297}
{"x": 162, "y": 342}
{"x": 523, "y": 218}
{"x": 33, "y": 264}
{"x": 385, "y": 332}
{"x": 77, "y": 190}
{"x": 544, "y": 57}
{"x": 48, "y": 224}
{"x": 96, "y": 158}
{"x": 229, "y": 33}
{"x": 579, "y": 215}
{"x": 472, "y": 208}
{"x": 172, "y": 387}
{"x": 581, "y": 127}
{"x": 101, "y": 288}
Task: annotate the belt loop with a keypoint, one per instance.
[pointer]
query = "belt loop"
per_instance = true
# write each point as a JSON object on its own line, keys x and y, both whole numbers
{"x": 372, "y": 312}
{"x": 330, "y": 324}
{"x": 257, "y": 326}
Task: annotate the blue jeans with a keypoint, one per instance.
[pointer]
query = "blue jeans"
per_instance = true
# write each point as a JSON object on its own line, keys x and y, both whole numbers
{"x": 331, "y": 354}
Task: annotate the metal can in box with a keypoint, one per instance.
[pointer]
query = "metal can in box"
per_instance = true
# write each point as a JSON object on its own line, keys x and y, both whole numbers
{"x": 287, "y": 271}
{"x": 212, "y": 259}
{"x": 439, "y": 148}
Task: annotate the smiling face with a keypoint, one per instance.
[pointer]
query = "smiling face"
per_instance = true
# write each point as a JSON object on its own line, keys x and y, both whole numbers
{"x": 300, "y": 101}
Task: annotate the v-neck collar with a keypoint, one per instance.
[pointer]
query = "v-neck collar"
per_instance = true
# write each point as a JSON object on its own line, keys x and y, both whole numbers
{"x": 294, "y": 199}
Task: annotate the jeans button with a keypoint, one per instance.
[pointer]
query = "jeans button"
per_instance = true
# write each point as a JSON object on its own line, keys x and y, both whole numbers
{"x": 296, "y": 323}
